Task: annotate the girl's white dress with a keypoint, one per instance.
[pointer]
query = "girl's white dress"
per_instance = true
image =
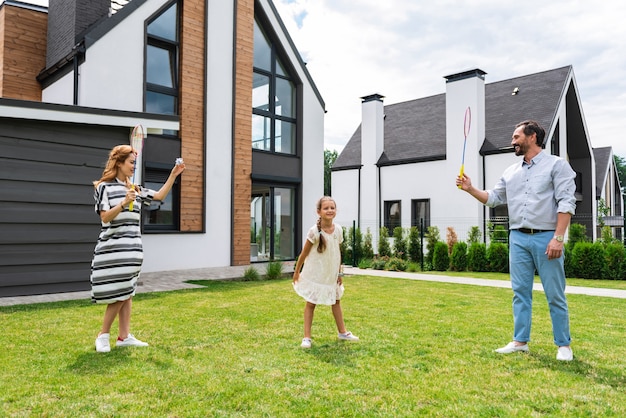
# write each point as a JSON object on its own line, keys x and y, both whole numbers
{"x": 318, "y": 279}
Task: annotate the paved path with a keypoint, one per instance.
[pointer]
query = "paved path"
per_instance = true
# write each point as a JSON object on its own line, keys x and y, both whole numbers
{"x": 176, "y": 279}
{"x": 574, "y": 290}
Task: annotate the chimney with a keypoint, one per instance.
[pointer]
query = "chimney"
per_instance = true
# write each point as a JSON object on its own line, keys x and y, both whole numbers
{"x": 67, "y": 19}
{"x": 372, "y": 147}
{"x": 465, "y": 95}
{"x": 372, "y": 129}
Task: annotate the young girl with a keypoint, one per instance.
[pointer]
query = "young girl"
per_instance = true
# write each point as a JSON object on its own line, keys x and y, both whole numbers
{"x": 119, "y": 254}
{"x": 321, "y": 279}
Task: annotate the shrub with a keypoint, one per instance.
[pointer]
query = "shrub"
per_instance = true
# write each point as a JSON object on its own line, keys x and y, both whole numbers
{"x": 368, "y": 249}
{"x": 498, "y": 233}
{"x": 399, "y": 244}
{"x": 615, "y": 258}
{"x": 498, "y": 257}
{"x": 589, "y": 261}
{"x": 441, "y": 259}
{"x": 346, "y": 255}
{"x": 432, "y": 238}
{"x": 577, "y": 233}
{"x": 477, "y": 257}
{"x": 412, "y": 267}
{"x": 365, "y": 263}
{"x": 568, "y": 264}
{"x": 458, "y": 260}
{"x": 414, "y": 245}
{"x": 250, "y": 274}
{"x": 473, "y": 235}
{"x": 379, "y": 263}
{"x": 274, "y": 270}
{"x": 384, "y": 250}
{"x": 357, "y": 245}
{"x": 451, "y": 239}
{"x": 396, "y": 264}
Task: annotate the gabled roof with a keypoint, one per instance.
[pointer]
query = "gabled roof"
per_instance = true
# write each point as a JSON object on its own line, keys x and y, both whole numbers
{"x": 416, "y": 130}
{"x": 602, "y": 157}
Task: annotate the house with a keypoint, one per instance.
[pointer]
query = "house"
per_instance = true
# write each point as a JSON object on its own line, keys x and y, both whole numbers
{"x": 400, "y": 165}
{"x": 608, "y": 192}
{"x": 218, "y": 83}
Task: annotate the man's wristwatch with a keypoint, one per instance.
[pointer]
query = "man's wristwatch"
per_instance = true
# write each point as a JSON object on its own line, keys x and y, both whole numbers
{"x": 559, "y": 238}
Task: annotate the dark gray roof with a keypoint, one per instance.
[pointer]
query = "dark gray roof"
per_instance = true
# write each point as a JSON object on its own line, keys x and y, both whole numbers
{"x": 416, "y": 130}
{"x": 602, "y": 156}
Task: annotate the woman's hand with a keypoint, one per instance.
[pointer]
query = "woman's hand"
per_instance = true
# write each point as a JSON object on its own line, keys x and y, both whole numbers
{"x": 178, "y": 169}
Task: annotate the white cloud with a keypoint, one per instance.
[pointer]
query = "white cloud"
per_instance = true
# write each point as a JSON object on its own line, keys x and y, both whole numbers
{"x": 403, "y": 50}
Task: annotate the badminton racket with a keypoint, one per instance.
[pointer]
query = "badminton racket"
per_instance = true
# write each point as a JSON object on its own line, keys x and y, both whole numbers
{"x": 136, "y": 142}
{"x": 467, "y": 123}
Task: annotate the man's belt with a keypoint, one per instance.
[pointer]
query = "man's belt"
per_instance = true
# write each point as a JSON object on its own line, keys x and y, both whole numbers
{"x": 533, "y": 231}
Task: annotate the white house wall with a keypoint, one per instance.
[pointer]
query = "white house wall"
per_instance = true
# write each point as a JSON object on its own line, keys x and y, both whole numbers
{"x": 61, "y": 92}
{"x": 345, "y": 191}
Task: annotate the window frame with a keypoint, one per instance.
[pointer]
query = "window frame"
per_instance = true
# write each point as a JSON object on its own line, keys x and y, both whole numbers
{"x": 389, "y": 223}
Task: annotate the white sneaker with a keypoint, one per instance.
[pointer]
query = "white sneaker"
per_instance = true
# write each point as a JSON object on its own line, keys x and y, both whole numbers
{"x": 348, "y": 336}
{"x": 102, "y": 343}
{"x": 565, "y": 354}
{"x": 512, "y": 348}
{"x": 130, "y": 341}
{"x": 306, "y": 343}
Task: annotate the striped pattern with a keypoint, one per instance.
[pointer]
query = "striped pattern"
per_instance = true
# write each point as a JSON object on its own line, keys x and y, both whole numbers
{"x": 119, "y": 252}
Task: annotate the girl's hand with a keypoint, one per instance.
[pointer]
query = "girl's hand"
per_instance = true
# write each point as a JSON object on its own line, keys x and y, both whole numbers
{"x": 178, "y": 169}
{"x": 296, "y": 277}
{"x": 340, "y": 279}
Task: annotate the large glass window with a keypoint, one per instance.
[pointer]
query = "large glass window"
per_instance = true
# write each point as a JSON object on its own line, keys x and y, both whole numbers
{"x": 161, "y": 215}
{"x": 420, "y": 213}
{"x": 272, "y": 223}
{"x": 273, "y": 99}
{"x": 162, "y": 62}
{"x": 392, "y": 215}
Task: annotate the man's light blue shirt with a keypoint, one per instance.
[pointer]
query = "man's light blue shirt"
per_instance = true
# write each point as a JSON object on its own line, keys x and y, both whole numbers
{"x": 536, "y": 192}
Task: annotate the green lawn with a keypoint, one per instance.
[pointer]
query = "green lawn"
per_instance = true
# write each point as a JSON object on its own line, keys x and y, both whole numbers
{"x": 232, "y": 350}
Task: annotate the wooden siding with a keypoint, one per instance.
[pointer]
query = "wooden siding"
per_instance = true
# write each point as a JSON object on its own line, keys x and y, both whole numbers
{"x": 192, "y": 110}
{"x": 242, "y": 147}
{"x": 48, "y": 227}
{"x": 22, "y": 51}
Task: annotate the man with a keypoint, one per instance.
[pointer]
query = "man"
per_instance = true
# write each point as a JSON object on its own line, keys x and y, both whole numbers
{"x": 539, "y": 192}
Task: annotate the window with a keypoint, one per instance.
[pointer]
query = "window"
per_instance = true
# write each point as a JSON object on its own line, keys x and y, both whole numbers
{"x": 420, "y": 213}
{"x": 555, "y": 148}
{"x": 392, "y": 215}
{"x": 161, "y": 215}
{"x": 162, "y": 63}
{"x": 272, "y": 226}
{"x": 273, "y": 99}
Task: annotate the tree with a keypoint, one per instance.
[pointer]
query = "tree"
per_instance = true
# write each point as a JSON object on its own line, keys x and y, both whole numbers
{"x": 620, "y": 163}
{"x": 329, "y": 160}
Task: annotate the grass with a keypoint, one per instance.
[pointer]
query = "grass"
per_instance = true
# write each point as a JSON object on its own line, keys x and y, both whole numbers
{"x": 232, "y": 350}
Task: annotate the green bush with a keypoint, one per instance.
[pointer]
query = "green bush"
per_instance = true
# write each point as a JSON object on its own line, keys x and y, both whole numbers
{"x": 414, "y": 245}
{"x": 577, "y": 233}
{"x": 250, "y": 274}
{"x": 477, "y": 257}
{"x": 399, "y": 244}
{"x": 396, "y": 264}
{"x": 615, "y": 256}
{"x": 412, "y": 267}
{"x": 589, "y": 260}
{"x": 432, "y": 238}
{"x": 384, "y": 250}
{"x": 458, "y": 260}
{"x": 346, "y": 254}
{"x": 274, "y": 270}
{"x": 365, "y": 263}
{"x": 441, "y": 259}
{"x": 498, "y": 257}
{"x": 473, "y": 235}
{"x": 379, "y": 263}
{"x": 368, "y": 249}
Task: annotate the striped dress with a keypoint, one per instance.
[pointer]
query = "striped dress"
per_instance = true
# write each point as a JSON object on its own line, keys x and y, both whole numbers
{"x": 118, "y": 255}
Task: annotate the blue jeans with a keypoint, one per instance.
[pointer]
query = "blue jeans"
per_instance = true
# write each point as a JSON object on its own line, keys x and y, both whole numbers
{"x": 527, "y": 253}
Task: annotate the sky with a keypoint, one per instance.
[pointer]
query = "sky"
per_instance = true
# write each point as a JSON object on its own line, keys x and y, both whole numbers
{"x": 402, "y": 49}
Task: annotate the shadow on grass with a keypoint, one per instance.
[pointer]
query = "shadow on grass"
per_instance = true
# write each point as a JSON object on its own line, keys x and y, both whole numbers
{"x": 94, "y": 363}
{"x": 336, "y": 353}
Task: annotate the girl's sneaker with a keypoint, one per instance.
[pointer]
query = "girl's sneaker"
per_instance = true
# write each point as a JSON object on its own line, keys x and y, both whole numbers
{"x": 306, "y": 343}
{"x": 348, "y": 336}
{"x": 130, "y": 341}
{"x": 102, "y": 343}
